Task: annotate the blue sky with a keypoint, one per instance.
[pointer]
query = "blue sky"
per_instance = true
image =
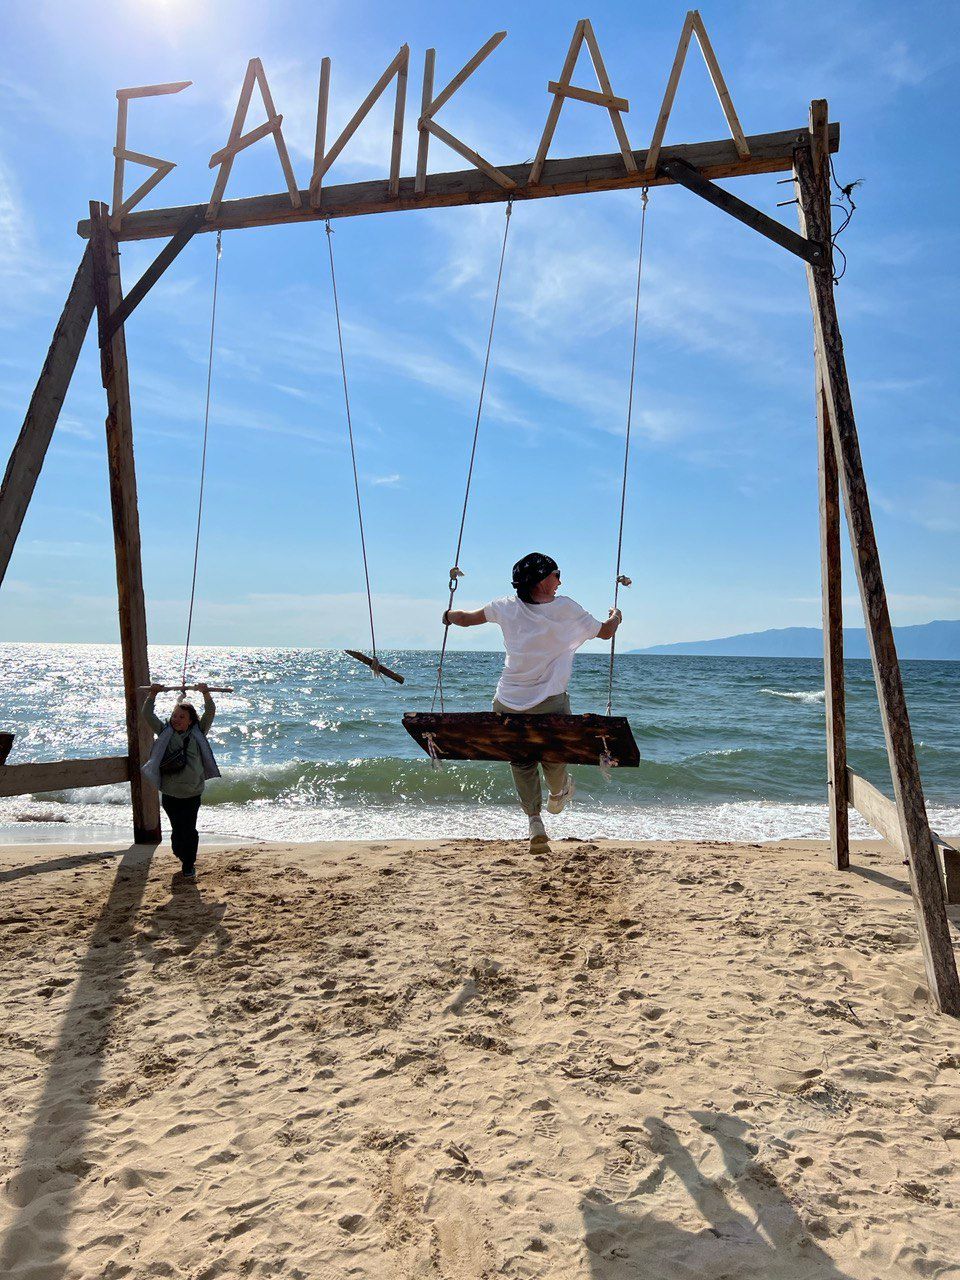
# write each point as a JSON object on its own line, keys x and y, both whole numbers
{"x": 721, "y": 529}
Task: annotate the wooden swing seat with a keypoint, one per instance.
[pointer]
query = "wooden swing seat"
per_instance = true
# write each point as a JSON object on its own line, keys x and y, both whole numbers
{"x": 519, "y": 738}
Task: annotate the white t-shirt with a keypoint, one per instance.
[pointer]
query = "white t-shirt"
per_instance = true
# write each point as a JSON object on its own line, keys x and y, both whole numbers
{"x": 540, "y": 640}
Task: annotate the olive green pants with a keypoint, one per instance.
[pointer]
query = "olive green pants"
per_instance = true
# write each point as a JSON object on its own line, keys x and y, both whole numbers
{"x": 526, "y": 777}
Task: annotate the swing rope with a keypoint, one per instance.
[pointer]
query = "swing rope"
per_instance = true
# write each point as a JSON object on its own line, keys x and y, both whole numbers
{"x": 456, "y": 573}
{"x": 353, "y": 452}
{"x": 621, "y": 579}
{"x": 203, "y": 465}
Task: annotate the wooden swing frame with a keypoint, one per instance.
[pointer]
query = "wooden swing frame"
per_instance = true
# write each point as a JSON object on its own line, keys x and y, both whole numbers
{"x": 934, "y": 864}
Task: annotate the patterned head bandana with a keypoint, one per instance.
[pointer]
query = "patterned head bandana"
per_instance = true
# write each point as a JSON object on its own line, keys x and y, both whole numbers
{"x": 529, "y": 571}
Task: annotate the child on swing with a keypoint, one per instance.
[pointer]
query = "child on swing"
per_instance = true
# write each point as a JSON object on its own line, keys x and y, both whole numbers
{"x": 541, "y": 633}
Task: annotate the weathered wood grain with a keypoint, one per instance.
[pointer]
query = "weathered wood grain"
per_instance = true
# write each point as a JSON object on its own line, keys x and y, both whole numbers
{"x": 491, "y": 735}
{"x": 831, "y": 593}
{"x": 126, "y": 522}
{"x": 26, "y": 458}
{"x": 62, "y": 775}
{"x": 928, "y": 893}
{"x": 831, "y": 576}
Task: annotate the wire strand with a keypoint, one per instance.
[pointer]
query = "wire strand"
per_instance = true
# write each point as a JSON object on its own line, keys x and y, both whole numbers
{"x": 626, "y": 448}
{"x": 455, "y": 573}
{"x": 203, "y": 460}
{"x": 353, "y": 451}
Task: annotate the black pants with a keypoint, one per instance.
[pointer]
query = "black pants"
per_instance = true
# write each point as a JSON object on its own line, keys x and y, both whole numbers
{"x": 184, "y": 836}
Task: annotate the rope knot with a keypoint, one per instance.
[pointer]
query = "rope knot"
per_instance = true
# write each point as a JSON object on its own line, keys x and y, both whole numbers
{"x": 624, "y": 581}
{"x": 607, "y": 759}
{"x": 433, "y": 751}
{"x": 455, "y": 574}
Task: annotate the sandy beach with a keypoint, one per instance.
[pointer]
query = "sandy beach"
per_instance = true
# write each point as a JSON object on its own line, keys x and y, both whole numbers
{"x": 459, "y": 1060}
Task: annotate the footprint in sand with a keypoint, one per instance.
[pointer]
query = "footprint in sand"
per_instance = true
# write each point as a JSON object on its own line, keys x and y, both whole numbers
{"x": 545, "y": 1122}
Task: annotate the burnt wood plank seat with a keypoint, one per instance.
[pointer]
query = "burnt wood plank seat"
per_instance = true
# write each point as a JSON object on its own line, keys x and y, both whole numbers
{"x": 491, "y": 735}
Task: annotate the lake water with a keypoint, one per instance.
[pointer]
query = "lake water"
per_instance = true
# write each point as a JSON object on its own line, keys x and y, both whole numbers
{"x": 311, "y": 745}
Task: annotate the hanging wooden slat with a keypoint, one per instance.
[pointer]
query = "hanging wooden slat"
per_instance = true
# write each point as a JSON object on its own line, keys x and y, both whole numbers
{"x": 375, "y": 666}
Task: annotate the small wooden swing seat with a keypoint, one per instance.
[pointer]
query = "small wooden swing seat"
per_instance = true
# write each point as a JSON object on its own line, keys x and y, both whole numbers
{"x": 375, "y": 666}
{"x": 186, "y": 688}
{"x": 517, "y": 739}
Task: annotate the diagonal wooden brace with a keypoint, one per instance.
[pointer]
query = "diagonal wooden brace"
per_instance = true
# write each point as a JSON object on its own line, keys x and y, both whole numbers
{"x": 687, "y": 176}
{"x": 171, "y": 250}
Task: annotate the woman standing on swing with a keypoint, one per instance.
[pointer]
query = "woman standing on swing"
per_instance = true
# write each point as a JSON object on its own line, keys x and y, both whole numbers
{"x": 541, "y": 633}
{"x": 179, "y": 765}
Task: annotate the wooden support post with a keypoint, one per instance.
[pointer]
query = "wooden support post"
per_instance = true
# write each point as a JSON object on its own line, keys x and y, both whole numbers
{"x": 832, "y": 603}
{"x": 831, "y": 579}
{"x": 126, "y": 523}
{"x": 926, "y": 884}
{"x": 950, "y": 855}
{"x": 26, "y": 459}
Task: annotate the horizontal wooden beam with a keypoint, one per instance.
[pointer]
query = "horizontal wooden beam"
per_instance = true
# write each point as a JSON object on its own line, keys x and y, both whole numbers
{"x": 881, "y": 812}
{"x": 62, "y": 775}
{"x": 769, "y": 153}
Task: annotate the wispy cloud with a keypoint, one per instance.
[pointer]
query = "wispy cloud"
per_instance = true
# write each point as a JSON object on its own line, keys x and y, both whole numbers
{"x": 932, "y": 504}
{"x": 26, "y": 275}
{"x": 869, "y": 62}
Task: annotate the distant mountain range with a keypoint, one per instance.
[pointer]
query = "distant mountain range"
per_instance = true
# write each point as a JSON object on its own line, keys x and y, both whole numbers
{"x": 935, "y": 641}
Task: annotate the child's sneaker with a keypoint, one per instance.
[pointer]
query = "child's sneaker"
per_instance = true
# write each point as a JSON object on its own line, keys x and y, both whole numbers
{"x": 538, "y": 833}
{"x": 557, "y": 802}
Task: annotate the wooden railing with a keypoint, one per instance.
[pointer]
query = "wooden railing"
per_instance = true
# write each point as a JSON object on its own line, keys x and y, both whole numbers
{"x": 881, "y": 812}
{"x": 62, "y": 775}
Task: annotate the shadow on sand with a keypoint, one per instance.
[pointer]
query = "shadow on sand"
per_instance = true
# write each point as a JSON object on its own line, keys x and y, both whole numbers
{"x": 627, "y": 1242}
{"x": 52, "y": 1163}
{"x": 42, "y": 1185}
{"x": 177, "y": 927}
{"x": 66, "y": 862}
